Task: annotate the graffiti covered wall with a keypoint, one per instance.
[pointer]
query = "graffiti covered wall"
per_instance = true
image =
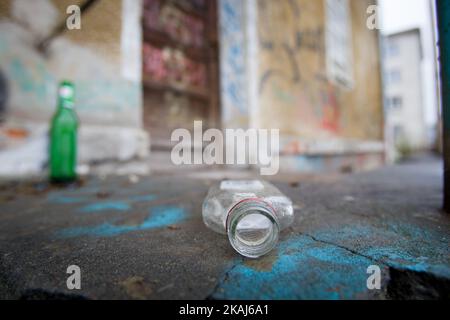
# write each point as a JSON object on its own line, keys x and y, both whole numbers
{"x": 92, "y": 57}
{"x": 233, "y": 51}
{"x": 295, "y": 92}
{"x": 103, "y": 59}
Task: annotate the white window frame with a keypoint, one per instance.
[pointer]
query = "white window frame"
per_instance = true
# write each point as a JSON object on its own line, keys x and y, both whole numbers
{"x": 339, "y": 43}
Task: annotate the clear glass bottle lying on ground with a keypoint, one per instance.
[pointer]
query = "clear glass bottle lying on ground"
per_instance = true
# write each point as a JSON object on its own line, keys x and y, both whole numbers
{"x": 252, "y": 213}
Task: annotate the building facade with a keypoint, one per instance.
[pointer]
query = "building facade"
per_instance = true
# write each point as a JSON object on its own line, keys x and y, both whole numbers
{"x": 142, "y": 68}
{"x": 406, "y": 129}
{"x": 311, "y": 69}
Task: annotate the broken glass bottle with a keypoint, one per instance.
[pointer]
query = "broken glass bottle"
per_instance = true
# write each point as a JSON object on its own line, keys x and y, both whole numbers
{"x": 252, "y": 213}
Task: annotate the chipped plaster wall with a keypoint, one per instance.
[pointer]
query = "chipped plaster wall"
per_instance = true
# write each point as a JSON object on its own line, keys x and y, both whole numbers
{"x": 284, "y": 83}
{"x": 102, "y": 59}
{"x": 295, "y": 93}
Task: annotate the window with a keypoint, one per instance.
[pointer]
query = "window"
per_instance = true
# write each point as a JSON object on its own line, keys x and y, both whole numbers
{"x": 397, "y": 103}
{"x": 339, "y": 45}
{"x": 392, "y": 49}
{"x": 393, "y": 77}
{"x": 394, "y": 103}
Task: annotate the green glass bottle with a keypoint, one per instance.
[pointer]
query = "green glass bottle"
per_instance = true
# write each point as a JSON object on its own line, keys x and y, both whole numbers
{"x": 63, "y": 136}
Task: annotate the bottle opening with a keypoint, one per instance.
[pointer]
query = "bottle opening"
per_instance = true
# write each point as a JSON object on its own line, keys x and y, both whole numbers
{"x": 253, "y": 229}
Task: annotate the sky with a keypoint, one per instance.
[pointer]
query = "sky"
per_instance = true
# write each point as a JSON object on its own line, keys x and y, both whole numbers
{"x": 398, "y": 15}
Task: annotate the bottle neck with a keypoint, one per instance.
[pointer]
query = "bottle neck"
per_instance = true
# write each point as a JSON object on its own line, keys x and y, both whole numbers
{"x": 252, "y": 227}
{"x": 64, "y": 103}
{"x": 66, "y": 95}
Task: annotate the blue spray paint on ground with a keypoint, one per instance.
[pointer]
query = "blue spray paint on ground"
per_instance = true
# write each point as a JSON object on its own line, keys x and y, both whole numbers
{"x": 105, "y": 206}
{"x": 396, "y": 244}
{"x": 117, "y": 205}
{"x": 64, "y": 199}
{"x": 143, "y": 198}
{"x": 304, "y": 269}
{"x": 159, "y": 217}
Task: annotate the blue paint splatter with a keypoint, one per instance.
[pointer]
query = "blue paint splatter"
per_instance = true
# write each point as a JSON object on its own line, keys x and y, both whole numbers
{"x": 159, "y": 217}
{"x": 397, "y": 244}
{"x": 305, "y": 269}
{"x": 143, "y": 198}
{"x": 63, "y": 199}
{"x": 105, "y": 206}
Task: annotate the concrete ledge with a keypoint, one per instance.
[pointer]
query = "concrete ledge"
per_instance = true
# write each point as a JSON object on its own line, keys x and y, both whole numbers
{"x": 28, "y": 156}
{"x": 344, "y": 163}
{"x": 99, "y": 143}
{"x": 295, "y": 146}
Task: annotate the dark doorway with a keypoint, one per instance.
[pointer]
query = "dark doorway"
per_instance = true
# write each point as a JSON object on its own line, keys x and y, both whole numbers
{"x": 180, "y": 66}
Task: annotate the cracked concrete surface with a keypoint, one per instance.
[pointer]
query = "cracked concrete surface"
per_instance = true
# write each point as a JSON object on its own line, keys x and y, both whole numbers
{"x": 146, "y": 239}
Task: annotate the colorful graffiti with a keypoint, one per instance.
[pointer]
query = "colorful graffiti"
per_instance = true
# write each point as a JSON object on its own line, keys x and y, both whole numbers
{"x": 295, "y": 91}
{"x": 172, "y": 66}
{"x": 292, "y": 77}
{"x": 330, "y": 110}
{"x": 166, "y": 17}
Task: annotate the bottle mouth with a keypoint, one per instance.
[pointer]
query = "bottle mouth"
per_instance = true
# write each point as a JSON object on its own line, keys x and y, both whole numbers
{"x": 252, "y": 228}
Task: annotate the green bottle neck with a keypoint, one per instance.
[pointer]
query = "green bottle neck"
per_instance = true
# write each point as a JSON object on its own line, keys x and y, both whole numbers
{"x": 65, "y": 104}
{"x": 66, "y": 95}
